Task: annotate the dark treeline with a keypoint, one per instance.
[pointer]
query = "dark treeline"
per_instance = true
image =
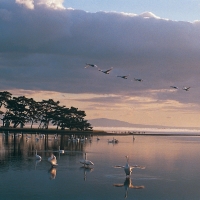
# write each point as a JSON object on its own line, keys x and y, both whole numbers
{"x": 17, "y": 111}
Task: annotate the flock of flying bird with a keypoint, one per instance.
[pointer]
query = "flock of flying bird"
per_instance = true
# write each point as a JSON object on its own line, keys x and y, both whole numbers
{"x": 126, "y": 76}
{"x": 109, "y": 70}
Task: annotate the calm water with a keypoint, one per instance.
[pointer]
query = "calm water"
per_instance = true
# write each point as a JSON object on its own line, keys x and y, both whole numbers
{"x": 172, "y": 168}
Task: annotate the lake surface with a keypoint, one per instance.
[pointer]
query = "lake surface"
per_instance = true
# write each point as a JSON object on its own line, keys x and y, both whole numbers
{"x": 172, "y": 165}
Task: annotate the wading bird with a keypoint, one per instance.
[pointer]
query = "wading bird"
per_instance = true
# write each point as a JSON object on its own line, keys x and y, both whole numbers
{"x": 37, "y": 157}
{"x": 86, "y": 163}
{"x": 61, "y": 151}
{"x": 127, "y": 168}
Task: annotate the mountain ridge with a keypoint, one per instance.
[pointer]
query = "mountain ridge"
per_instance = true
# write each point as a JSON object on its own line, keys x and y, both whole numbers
{"x": 105, "y": 122}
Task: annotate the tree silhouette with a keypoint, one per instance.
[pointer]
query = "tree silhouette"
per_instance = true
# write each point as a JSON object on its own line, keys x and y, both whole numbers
{"x": 21, "y": 110}
{"x": 48, "y": 107}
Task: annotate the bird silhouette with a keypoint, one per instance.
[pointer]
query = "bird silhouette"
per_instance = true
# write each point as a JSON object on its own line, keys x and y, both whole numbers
{"x": 124, "y": 77}
{"x": 90, "y": 65}
{"x": 106, "y": 71}
{"x": 186, "y": 88}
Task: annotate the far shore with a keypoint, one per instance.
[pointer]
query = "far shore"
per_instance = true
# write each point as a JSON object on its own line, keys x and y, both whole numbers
{"x": 93, "y": 132}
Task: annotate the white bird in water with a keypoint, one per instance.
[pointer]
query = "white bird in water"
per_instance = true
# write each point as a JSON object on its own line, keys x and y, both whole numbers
{"x": 127, "y": 168}
{"x": 90, "y": 65}
{"x": 106, "y": 71}
{"x": 114, "y": 141}
{"x": 124, "y": 77}
{"x": 37, "y": 157}
{"x": 186, "y": 88}
{"x": 174, "y": 87}
{"x": 53, "y": 160}
{"x": 86, "y": 163}
{"x": 61, "y": 151}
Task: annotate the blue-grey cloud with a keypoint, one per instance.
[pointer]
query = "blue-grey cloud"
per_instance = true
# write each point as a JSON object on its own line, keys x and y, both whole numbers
{"x": 46, "y": 49}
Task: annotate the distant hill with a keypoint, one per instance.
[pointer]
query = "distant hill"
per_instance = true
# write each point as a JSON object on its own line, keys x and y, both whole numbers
{"x": 104, "y": 122}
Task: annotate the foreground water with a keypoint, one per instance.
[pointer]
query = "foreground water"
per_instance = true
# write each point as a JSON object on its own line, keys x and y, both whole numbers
{"x": 172, "y": 168}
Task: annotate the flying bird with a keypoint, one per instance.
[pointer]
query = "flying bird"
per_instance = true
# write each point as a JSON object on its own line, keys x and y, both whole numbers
{"x": 138, "y": 79}
{"x": 186, "y": 88}
{"x": 127, "y": 168}
{"x": 124, "y": 77}
{"x": 174, "y": 87}
{"x": 90, "y": 65}
{"x": 106, "y": 71}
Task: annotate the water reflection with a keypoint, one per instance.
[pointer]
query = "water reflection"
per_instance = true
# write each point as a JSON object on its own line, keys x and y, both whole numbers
{"x": 52, "y": 172}
{"x": 167, "y": 160}
{"x": 25, "y": 145}
{"x": 36, "y": 163}
{"x": 85, "y": 171}
{"x": 128, "y": 184}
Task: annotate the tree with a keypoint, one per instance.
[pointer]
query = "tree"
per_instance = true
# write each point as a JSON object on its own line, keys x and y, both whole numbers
{"x": 61, "y": 117}
{"x": 21, "y": 110}
{"x": 33, "y": 111}
{"x": 47, "y": 108}
{"x": 4, "y": 97}
{"x": 17, "y": 109}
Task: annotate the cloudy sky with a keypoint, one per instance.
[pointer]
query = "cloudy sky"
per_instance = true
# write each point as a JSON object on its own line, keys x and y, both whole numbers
{"x": 45, "y": 45}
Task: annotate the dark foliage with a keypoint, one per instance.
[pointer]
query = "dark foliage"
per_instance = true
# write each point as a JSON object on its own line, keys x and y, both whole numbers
{"x": 17, "y": 111}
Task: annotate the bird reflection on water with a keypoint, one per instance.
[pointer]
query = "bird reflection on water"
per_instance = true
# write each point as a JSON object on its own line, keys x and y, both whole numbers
{"x": 36, "y": 162}
{"x": 128, "y": 184}
{"x": 52, "y": 172}
{"x": 86, "y": 170}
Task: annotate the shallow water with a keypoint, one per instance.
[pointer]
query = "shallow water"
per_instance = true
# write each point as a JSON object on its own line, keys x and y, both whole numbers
{"x": 172, "y": 168}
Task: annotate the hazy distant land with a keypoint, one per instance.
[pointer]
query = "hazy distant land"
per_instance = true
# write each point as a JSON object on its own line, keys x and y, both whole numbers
{"x": 117, "y": 125}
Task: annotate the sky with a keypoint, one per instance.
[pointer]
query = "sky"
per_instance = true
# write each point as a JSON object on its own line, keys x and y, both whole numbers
{"x": 45, "y": 45}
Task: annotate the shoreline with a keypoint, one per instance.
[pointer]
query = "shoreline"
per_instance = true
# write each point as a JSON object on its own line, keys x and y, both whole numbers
{"x": 93, "y": 132}
{"x": 48, "y": 131}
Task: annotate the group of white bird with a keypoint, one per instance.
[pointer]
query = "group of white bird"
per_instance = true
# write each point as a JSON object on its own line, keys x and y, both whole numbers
{"x": 52, "y": 159}
{"x": 76, "y": 139}
{"x": 126, "y": 76}
{"x": 114, "y": 141}
{"x": 87, "y": 163}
